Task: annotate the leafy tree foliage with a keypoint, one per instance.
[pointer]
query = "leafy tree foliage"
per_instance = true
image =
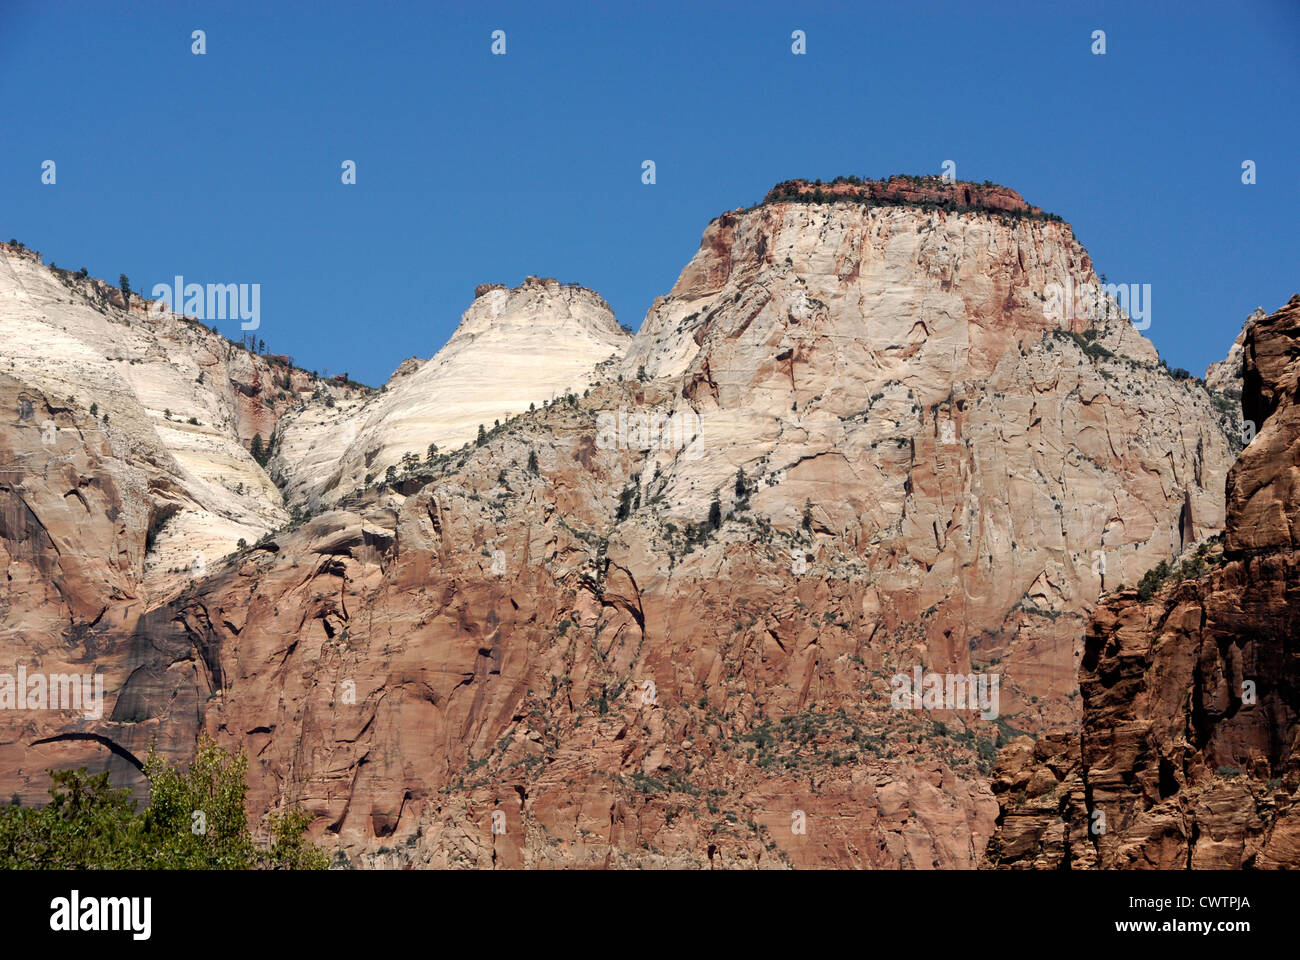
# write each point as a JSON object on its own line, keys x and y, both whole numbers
{"x": 195, "y": 820}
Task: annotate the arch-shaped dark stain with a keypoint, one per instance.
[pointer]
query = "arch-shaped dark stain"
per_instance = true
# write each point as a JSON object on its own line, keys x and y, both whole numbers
{"x": 115, "y": 748}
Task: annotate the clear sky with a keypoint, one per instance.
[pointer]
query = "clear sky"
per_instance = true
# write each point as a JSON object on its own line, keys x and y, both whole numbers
{"x": 475, "y": 168}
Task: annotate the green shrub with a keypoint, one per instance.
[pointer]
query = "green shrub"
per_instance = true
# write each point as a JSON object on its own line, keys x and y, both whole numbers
{"x": 1152, "y": 579}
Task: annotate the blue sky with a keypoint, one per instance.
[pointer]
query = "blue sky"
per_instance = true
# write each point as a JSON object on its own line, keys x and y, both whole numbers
{"x": 474, "y": 168}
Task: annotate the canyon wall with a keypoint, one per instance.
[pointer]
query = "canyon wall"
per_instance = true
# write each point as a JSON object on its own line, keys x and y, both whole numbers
{"x": 1188, "y": 754}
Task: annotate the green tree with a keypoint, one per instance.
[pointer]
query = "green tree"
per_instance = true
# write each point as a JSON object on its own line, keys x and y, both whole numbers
{"x": 290, "y": 847}
{"x": 482, "y": 436}
{"x": 1152, "y": 579}
{"x": 86, "y": 825}
{"x": 126, "y": 288}
{"x": 259, "y": 454}
{"x": 532, "y": 462}
{"x": 195, "y": 820}
{"x": 625, "y": 502}
{"x": 715, "y": 513}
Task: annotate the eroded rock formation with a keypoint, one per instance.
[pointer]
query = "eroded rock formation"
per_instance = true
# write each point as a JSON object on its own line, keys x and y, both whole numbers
{"x": 1188, "y": 754}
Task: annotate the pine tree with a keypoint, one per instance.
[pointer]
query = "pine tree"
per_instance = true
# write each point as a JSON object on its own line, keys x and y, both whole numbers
{"x": 625, "y": 503}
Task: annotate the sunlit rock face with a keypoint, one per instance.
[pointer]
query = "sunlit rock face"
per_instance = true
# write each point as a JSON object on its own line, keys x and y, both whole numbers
{"x": 919, "y": 463}
{"x": 514, "y": 349}
{"x": 125, "y": 473}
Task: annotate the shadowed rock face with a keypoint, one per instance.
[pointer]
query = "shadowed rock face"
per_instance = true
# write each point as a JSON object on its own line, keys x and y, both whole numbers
{"x": 1188, "y": 754}
{"x": 914, "y": 465}
{"x": 74, "y": 519}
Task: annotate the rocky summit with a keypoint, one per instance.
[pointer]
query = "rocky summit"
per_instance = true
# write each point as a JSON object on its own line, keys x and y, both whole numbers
{"x": 828, "y": 565}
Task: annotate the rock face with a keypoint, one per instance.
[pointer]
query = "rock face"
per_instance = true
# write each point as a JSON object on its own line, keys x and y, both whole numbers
{"x": 179, "y": 403}
{"x": 663, "y": 621}
{"x": 1223, "y": 381}
{"x": 900, "y": 373}
{"x": 1188, "y": 755}
{"x": 1225, "y": 375}
{"x": 513, "y": 348}
{"x": 124, "y": 472}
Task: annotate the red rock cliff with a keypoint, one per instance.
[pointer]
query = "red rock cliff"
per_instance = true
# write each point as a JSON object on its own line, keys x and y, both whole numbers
{"x": 1189, "y": 752}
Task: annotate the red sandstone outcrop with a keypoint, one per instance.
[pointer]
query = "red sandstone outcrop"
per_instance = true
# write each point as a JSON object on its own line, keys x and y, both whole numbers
{"x": 918, "y": 191}
{"x": 1189, "y": 752}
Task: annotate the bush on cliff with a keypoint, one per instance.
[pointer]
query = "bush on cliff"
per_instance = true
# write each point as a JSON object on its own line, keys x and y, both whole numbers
{"x": 1152, "y": 579}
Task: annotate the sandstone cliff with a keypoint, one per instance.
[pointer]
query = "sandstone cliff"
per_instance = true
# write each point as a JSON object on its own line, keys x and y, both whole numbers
{"x": 179, "y": 402}
{"x": 1188, "y": 754}
{"x": 514, "y": 348}
{"x": 125, "y": 472}
{"x": 899, "y": 372}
